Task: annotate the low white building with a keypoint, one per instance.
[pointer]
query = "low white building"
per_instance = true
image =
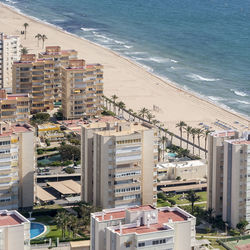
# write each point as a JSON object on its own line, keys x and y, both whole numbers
{"x": 196, "y": 169}
{"x": 14, "y": 231}
{"x": 143, "y": 227}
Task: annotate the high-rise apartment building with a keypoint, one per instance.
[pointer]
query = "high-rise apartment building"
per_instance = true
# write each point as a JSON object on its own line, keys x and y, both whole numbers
{"x": 61, "y": 59}
{"x": 14, "y": 231}
{"x": 119, "y": 164}
{"x": 14, "y": 107}
{"x": 9, "y": 52}
{"x": 17, "y": 164}
{"x": 236, "y": 184}
{"x": 82, "y": 89}
{"x": 216, "y": 168}
{"x": 36, "y": 77}
{"x": 143, "y": 227}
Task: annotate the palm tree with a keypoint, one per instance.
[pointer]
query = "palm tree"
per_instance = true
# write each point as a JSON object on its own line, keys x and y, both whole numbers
{"x": 155, "y": 122}
{"x": 43, "y": 37}
{"x": 205, "y": 134}
{"x": 199, "y": 133}
{"x": 193, "y": 133}
{"x": 163, "y": 141}
{"x": 143, "y": 112}
{"x": 39, "y": 37}
{"x": 188, "y": 131}
{"x": 24, "y": 51}
{"x": 62, "y": 222}
{"x": 121, "y": 106}
{"x": 149, "y": 116}
{"x": 241, "y": 226}
{"x": 181, "y": 125}
{"x": 130, "y": 112}
{"x": 114, "y": 98}
{"x": 209, "y": 214}
{"x": 73, "y": 224}
{"x": 25, "y": 29}
{"x": 192, "y": 197}
{"x": 171, "y": 137}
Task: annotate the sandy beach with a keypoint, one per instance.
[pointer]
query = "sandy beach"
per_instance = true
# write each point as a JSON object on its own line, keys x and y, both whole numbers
{"x": 133, "y": 85}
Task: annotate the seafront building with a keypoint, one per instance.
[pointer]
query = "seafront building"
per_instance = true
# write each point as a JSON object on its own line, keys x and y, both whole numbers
{"x": 17, "y": 164}
{"x": 216, "y": 178}
{"x": 9, "y": 52}
{"x": 14, "y": 107}
{"x": 35, "y": 77}
{"x": 14, "y": 231}
{"x": 61, "y": 59}
{"x": 82, "y": 89}
{"x": 143, "y": 227}
{"x": 119, "y": 164}
{"x": 236, "y": 184}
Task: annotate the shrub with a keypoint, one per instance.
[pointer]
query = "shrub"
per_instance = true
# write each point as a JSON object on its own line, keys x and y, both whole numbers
{"x": 55, "y": 163}
{"x": 40, "y": 151}
{"x": 172, "y": 202}
{"x": 47, "y": 142}
{"x": 162, "y": 196}
{"x": 69, "y": 170}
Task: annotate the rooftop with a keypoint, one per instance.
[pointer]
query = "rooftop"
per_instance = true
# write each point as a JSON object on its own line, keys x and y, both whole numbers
{"x": 225, "y": 133}
{"x": 181, "y": 164}
{"x": 112, "y": 215}
{"x": 10, "y": 218}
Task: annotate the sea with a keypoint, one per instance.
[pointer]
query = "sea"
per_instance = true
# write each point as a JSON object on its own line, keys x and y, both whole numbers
{"x": 200, "y": 45}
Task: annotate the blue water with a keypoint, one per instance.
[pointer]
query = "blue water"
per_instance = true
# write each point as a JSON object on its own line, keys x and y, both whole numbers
{"x": 173, "y": 155}
{"x": 36, "y": 229}
{"x": 203, "y": 45}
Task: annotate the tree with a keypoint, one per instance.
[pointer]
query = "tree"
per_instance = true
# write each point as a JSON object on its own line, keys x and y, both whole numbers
{"x": 171, "y": 137}
{"x": 149, "y": 116}
{"x": 43, "y": 37}
{"x": 25, "y": 29}
{"x": 114, "y": 98}
{"x": 62, "y": 222}
{"x": 39, "y": 37}
{"x": 210, "y": 213}
{"x": 24, "y": 51}
{"x": 69, "y": 152}
{"x": 162, "y": 141}
{"x": 199, "y": 133}
{"x": 121, "y": 106}
{"x": 130, "y": 112}
{"x": 188, "y": 130}
{"x": 40, "y": 118}
{"x": 241, "y": 226}
{"x": 143, "y": 112}
{"x": 59, "y": 114}
{"x": 181, "y": 125}
{"x": 73, "y": 224}
{"x": 205, "y": 134}
{"x": 192, "y": 197}
{"x": 193, "y": 133}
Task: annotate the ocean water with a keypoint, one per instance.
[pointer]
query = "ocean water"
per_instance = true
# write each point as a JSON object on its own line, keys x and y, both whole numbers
{"x": 201, "y": 45}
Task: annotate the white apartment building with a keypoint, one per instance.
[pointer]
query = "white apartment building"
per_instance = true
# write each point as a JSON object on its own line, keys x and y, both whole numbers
{"x": 143, "y": 227}
{"x": 17, "y": 162}
{"x": 9, "y": 52}
{"x": 119, "y": 164}
{"x": 236, "y": 184}
{"x": 216, "y": 167}
{"x": 186, "y": 170}
{"x": 14, "y": 231}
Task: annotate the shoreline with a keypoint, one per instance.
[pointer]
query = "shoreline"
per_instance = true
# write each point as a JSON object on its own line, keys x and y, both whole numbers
{"x": 161, "y": 81}
{"x": 167, "y": 81}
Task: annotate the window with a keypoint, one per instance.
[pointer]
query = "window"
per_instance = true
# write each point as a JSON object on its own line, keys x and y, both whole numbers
{"x": 127, "y": 244}
{"x": 141, "y": 244}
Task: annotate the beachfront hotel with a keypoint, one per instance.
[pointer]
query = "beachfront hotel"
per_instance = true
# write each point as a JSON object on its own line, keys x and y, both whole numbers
{"x": 119, "y": 164}
{"x": 9, "y": 52}
{"x": 17, "y": 161}
{"x": 215, "y": 178}
{"x": 61, "y": 59}
{"x": 35, "y": 77}
{"x": 236, "y": 184}
{"x": 14, "y": 107}
{"x": 82, "y": 89}
{"x": 142, "y": 227}
{"x": 14, "y": 231}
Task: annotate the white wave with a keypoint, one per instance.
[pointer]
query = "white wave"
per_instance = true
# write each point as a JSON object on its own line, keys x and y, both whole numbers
{"x": 88, "y": 29}
{"x": 138, "y": 58}
{"x": 119, "y": 42}
{"x": 239, "y": 93}
{"x": 172, "y": 67}
{"x": 216, "y": 98}
{"x": 243, "y": 102}
{"x": 174, "y": 61}
{"x": 128, "y": 46}
{"x": 158, "y": 59}
{"x": 201, "y": 78}
{"x": 135, "y": 53}
{"x": 9, "y": 1}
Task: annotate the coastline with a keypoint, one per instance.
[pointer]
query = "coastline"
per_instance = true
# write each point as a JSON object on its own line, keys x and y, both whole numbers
{"x": 165, "y": 84}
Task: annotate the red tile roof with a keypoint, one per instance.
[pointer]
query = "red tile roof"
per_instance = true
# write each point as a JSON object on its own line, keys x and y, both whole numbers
{"x": 7, "y": 220}
{"x": 115, "y": 215}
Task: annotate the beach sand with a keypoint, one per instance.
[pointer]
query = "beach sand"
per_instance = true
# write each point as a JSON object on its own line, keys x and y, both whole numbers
{"x": 133, "y": 85}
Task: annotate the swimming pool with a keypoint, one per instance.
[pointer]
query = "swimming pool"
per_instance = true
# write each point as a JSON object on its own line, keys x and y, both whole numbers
{"x": 36, "y": 229}
{"x": 172, "y": 155}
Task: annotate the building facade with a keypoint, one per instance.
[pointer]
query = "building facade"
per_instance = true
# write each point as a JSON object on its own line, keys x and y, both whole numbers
{"x": 236, "y": 184}
{"x": 119, "y": 164}
{"x": 9, "y": 52}
{"x": 82, "y": 89}
{"x": 17, "y": 165}
{"x": 61, "y": 59}
{"x": 14, "y": 107}
{"x": 14, "y": 231}
{"x": 215, "y": 178}
{"x": 142, "y": 227}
